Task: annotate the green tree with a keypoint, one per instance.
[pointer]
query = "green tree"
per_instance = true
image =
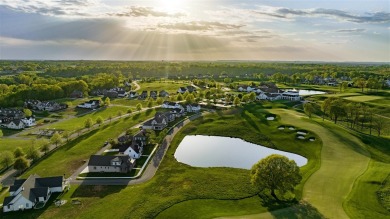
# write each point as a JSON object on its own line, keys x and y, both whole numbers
{"x": 361, "y": 82}
{"x": 45, "y": 147}
{"x": 119, "y": 113}
{"x": 88, "y": 123}
{"x": 21, "y": 164}
{"x": 337, "y": 109}
{"x": 32, "y": 153}
{"x": 18, "y": 152}
{"x": 159, "y": 101}
{"x": 99, "y": 120}
{"x": 190, "y": 99}
{"x": 56, "y": 139}
{"x": 7, "y": 158}
{"x": 66, "y": 135}
{"x": 107, "y": 101}
{"x": 179, "y": 97}
{"x": 276, "y": 173}
{"x": 129, "y": 110}
{"x": 138, "y": 107}
{"x": 27, "y": 112}
{"x": 150, "y": 104}
{"x": 1, "y": 133}
{"x": 236, "y": 101}
{"x": 379, "y": 125}
{"x": 326, "y": 106}
{"x": 308, "y": 108}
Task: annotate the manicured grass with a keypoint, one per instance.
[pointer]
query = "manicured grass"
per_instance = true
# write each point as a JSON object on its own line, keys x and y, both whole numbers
{"x": 70, "y": 157}
{"x": 210, "y": 190}
{"x": 211, "y": 208}
{"x": 363, "y": 98}
{"x": 343, "y": 159}
{"x": 78, "y": 122}
{"x": 170, "y": 87}
{"x": 10, "y": 144}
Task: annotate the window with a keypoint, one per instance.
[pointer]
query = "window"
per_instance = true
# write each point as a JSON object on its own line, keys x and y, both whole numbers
{"x": 94, "y": 168}
{"x": 27, "y": 205}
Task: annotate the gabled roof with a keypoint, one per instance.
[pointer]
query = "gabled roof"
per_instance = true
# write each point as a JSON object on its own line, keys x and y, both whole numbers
{"x": 7, "y": 200}
{"x": 100, "y": 160}
{"x": 54, "y": 181}
{"x": 38, "y": 192}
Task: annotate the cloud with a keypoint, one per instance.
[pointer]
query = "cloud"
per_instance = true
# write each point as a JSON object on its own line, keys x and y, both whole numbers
{"x": 137, "y": 11}
{"x": 51, "y": 8}
{"x": 288, "y": 13}
{"x": 200, "y": 26}
{"x": 353, "y": 30}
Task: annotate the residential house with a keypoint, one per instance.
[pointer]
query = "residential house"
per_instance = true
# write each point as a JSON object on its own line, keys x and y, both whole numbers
{"x": 153, "y": 94}
{"x": 77, "y": 94}
{"x": 92, "y": 104}
{"x": 143, "y": 95}
{"x": 49, "y": 106}
{"x": 159, "y": 122}
{"x": 134, "y": 148}
{"x": 133, "y": 95}
{"x": 245, "y": 88}
{"x": 28, "y": 193}
{"x": 29, "y": 121}
{"x": 195, "y": 108}
{"x": 182, "y": 90}
{"x": 163, "y": 93}
{"x": 110, "y": 164}
{"x": 16, "y": 124}
{"x": 171, "y": 105}
{"x": 191, "y": 89}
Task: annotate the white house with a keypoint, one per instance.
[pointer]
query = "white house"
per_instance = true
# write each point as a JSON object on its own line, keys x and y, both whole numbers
{"x": 29, "y": 121}
{"x": 159, "y": 122}
{"x": 110, "y": 164}
{"x": 245, "y": 88}
{"x": 92, "y": 104}
{"x": 27, "y": 193}
{"x": 171, "y": 105}
{"x": 193, "y": 108}
{"x": 292, "y": 95}
{"x": 182, "y": 90}
{"x": 133, "y": 94}
{"x": 15, "y": 124}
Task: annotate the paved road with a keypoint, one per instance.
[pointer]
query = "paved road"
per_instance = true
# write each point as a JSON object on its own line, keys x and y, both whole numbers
{"x": 150, "y": 170}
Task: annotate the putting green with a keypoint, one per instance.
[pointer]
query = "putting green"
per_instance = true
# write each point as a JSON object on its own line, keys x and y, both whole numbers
{"x": 363, "y": 98}
{"x": 341, "y": 164}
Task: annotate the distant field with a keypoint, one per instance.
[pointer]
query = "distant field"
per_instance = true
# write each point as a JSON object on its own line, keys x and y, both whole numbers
{"x": 170, "y": 87}
{"x": 76, "y": 123}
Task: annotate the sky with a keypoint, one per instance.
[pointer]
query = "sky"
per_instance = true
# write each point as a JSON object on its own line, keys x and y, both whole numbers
{"x": 275, "y": 30}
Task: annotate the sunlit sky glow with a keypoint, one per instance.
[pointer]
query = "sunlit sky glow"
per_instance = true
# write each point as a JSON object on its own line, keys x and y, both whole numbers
{"x": 333, "y": 30}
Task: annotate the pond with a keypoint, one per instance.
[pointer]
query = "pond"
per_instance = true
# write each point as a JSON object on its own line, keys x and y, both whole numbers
{"x": 216, "y": 151}
{"x": 310, "y": 92}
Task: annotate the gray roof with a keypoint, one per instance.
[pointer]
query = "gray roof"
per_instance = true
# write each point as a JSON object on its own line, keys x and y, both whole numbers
{"x": 100, "y": 160}
{"x": 7, "y": 200}
{"x": 34, "y": 186}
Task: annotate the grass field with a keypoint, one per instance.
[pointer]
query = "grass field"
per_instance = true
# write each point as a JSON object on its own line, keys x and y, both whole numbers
{"x": 363, "y": 98}
{"x": 340, "y": 166}
{"x": 222, "y": 192}
{"x": 69, "y": 157}
{"x": 78, "y": 122}
{"x": 170, "y": 87}
{"x": 10, "y": 144}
